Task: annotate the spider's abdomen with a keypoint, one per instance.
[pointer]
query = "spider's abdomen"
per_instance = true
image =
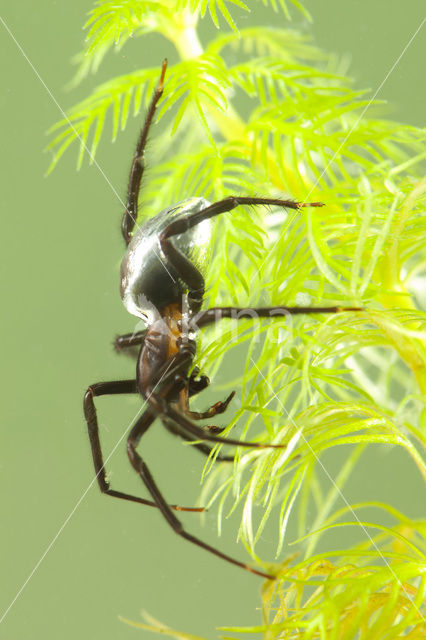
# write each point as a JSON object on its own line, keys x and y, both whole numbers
{"x": 147, "y": 279}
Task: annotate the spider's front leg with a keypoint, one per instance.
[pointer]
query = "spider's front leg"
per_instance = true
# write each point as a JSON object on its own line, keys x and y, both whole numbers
{"x": 138, "y": 165}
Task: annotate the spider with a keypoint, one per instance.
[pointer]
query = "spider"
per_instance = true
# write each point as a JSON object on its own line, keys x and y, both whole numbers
{"x": 162, "y": 281}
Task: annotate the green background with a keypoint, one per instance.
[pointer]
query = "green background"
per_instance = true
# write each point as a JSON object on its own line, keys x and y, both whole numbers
{"x": 60, "y": 250}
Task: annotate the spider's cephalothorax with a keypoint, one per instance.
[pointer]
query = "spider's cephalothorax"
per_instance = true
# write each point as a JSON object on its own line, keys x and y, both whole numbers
{"x": 162, "y": 282}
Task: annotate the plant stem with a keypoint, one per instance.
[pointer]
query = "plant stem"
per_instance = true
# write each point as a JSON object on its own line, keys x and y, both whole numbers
{"x": 184, "y": 36}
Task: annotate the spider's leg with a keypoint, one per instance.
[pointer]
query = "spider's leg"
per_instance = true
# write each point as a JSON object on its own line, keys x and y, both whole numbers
{"x": 146, "y": 477}
{"x": 173, "y": 374}
{"x": 182, "y": 265}
{"x": 128, "y": 340}
{"x": 205, "y": 449}
{"x": 113, "y": 388}
{"x": 196, "y": 386}
{"x": 218, "y": 407}
{"x": 168, "y": 383}
{"x": 204, "y": 318}
{"x": 138, "y": 164}
{"x": 191, "y": 388}
{"x": 167, "y": 412}
{"x": 180, "y": 225}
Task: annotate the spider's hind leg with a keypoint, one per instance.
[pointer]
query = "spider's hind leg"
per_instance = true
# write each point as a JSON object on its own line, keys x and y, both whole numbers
{"x": 141, "y": 468}
{"x": 118, "y": 387}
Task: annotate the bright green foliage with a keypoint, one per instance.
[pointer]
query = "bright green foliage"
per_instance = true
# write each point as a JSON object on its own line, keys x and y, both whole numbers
{"x": 343, "y": 594}
{"x": 214, "y": 6}
{"x": 348, "y": 380}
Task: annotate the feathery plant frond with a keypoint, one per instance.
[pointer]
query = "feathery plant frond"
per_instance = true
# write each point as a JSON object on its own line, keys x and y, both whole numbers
{"x": 111, "y": 24}
{"x": 198, "y": 83}
{"x": 351, "y": 380}
{"x": 219, "y": 6}
{"x": 343, "y": 594}
{"x": 88, "y": 117}
{"x": 191, "y": 87}
{"x": 214, "y": 7}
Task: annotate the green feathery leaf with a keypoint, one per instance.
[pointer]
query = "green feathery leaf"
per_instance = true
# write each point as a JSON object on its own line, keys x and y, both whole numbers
{"x": 352, "y": 379}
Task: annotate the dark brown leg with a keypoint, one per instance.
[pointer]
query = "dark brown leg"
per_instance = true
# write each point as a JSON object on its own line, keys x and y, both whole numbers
{"x": 129, "y": 340}
{"x": 167, "y": 387}
{"x": 197, "y": 385}
{"x": 112, "y": 388}
{"x": 165, "y": 410}
{"x": 169, "y": 380}
{"x": 194, "y": 386}
{"x": 146, "y": 477}
{"x": 138, "y": 164}
{"x": 183, "y": 266}
{"x": 205, "y": 449}
{"x": 218, "y": 407}
{"x": 204, "y": 318}
{"x": 180, "y": 225}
